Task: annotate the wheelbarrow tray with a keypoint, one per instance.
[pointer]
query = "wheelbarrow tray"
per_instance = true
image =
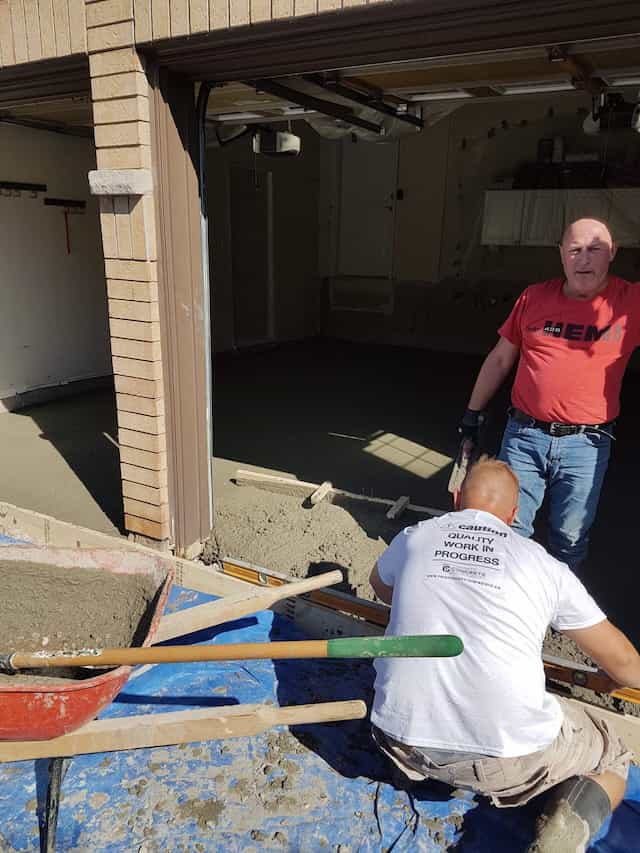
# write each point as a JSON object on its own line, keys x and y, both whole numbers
{"x": 41, "y": 711}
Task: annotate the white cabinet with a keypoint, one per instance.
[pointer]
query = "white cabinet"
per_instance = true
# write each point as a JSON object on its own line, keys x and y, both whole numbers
{"x": 502, "y": 221}
{"x": 624, "y": 216}
{"x": 542, "y": 218}
{"x": 538, "y": 217}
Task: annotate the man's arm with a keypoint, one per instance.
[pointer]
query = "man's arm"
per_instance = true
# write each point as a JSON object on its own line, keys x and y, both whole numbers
{"x": 611, "y": 650}
{"x": 492, "y": 374}
{"x": 384, "y": 592}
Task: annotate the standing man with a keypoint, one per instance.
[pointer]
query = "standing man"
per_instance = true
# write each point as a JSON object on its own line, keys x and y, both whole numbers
{"x": 572, "y": 338}
{"x": 484, "y": 721}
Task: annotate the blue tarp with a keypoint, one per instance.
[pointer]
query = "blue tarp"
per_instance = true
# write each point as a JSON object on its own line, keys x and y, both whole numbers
{"x": 316, "y": 788}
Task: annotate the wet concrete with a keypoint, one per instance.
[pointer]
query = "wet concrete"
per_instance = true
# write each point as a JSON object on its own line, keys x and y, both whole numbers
{"x": 316, "y": 410}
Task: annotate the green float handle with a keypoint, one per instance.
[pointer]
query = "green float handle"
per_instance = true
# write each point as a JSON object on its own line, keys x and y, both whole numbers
{"x": 417, "y": 646}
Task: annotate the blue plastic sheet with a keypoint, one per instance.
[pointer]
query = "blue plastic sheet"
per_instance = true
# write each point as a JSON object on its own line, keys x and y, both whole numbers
{"x": 316, "y": 788}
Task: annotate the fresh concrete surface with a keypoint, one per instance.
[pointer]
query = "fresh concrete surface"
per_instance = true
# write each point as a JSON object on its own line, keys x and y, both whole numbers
{"x": 374, "y": 420}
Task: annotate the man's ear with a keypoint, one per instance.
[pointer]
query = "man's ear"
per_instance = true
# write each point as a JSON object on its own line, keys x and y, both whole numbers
{"x": 613, "y": 252}
{"x": 457, "y": 496}
{"x": 512, "y": 515}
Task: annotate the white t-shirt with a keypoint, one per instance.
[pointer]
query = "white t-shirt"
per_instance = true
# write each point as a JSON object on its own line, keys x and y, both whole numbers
{"x": 467, "y": 573}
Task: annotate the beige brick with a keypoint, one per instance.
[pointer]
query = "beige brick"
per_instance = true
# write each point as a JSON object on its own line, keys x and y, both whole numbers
{"x": 144, "y": 31}
{"x": 305, "y": 7}
{"x": 120, "y": 110}
{"x": 123, "y": 225}
{"x": 145, "y": 510}
{"x": 198, "y": 15}
{"x": 130, "y": 157}
{"x": 329, "y": 5}
{"x": 78, "y": 27}
{"x": 141, "y": 423}
{"x": 160, "y": 19}
{"x": 136, "y": 291}
{"x": 134, "y": 330}
{"x": 110, "y": 36}
{"x": 47, "y": 30}
{"x": 179, "y": 16}
{"x": 147, "y": 494}
{"x": 151, "y": 388}
{"x": 282, "y": 8}
{"x": 19, "y": 27}
{"x": 141, "y": 350}
{"x": 260, "y": 10}
{"x": 140, "y": 405}
{"x": 143, "y": 458}
{"x": 239, "y": 14}
{"x": 7, "y": 52}
{"x": 143, "y": 227}
{"x": 128, "y": 133}
{"x": 141, "y": 440}
{"x": 127, "y": 309}
{"x": 150, "y": 529}
{"x": 218, "y": 14}
{"x": 109, "y": 12}
{"x": 108, "y": 227}
{"x": 119, "y": 86}
{"x": 61, "y": 27}
{"x": 136, "y": 368}
{"x": 132, "y": 270}
{"x": 144, "y": 476}
{"x": 32, "y": 21}
{"x": 115, "y": 62}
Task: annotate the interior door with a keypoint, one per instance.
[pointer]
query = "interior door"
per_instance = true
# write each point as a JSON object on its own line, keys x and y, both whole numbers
{"x": 367, "y": 209}
{"x": 251, "y": 256}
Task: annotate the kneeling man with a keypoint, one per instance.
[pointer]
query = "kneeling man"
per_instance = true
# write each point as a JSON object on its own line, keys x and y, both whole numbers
{"x": 484, "y": 721}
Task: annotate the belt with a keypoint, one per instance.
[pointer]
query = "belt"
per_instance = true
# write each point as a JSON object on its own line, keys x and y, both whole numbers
{"x": 559, "y": 429}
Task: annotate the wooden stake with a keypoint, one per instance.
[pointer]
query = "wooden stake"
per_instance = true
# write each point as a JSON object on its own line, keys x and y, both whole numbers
{"x": 398, "y": 508}
{"x": 151, "y": 730}
{"x": 234, "y": 607}
{"x": 321, "y": 492}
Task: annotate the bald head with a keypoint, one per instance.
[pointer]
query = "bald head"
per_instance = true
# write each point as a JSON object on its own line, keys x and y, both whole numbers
{"x": 586, "y": 251}
{"x": 491, "y": 486}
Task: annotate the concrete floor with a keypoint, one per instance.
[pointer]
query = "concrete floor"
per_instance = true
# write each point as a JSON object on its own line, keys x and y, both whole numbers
{"x": 374, "y": 420}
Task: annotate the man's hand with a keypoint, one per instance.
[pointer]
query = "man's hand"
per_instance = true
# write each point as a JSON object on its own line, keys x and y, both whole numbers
{"x": 470, "y": 426}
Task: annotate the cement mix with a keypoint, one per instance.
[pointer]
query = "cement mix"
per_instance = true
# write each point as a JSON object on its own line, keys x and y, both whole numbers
{"x": 44, "y": 606}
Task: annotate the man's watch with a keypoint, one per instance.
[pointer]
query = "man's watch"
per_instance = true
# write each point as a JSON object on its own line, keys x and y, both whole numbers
{"x": 470, "y": 425}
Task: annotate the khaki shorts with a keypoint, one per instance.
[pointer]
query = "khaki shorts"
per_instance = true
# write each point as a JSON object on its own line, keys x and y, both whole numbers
{"x": 585, "y": 745}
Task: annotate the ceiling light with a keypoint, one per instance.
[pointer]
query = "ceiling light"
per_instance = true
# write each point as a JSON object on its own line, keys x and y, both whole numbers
{"x": 235, "y": 116}
{"x": 533, "y": 88}
{"x": 440, "y": 96}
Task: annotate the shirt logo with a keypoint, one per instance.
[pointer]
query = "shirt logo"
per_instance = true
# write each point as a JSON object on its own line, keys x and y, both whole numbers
{"x": 580, "y": 332}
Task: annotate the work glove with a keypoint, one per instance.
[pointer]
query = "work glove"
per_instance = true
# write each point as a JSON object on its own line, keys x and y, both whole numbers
{"x": 470, "y": 425}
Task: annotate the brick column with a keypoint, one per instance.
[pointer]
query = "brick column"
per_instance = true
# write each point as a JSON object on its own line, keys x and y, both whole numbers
{"x": 120, "y": 93}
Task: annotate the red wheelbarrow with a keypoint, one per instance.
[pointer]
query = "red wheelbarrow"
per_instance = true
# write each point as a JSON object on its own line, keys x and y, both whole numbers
{"x": 41, "y": 711}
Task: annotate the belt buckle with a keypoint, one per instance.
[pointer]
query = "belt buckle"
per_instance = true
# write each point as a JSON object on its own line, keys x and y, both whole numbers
{"x": 557, "y": 429}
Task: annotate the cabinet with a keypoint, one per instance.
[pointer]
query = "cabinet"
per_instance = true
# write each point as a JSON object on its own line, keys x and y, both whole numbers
{"x": 538, "y": 217}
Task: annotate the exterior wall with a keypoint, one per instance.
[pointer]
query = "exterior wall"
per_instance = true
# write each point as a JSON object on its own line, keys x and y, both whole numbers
{"x": 161, "y": 19}
{"x": 56, "y": 330}
{"x": 31, "y": 30}
{"x": 120, "y": 94}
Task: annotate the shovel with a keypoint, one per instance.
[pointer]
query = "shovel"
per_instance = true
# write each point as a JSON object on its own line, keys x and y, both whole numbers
{"x": 418, "y": 646}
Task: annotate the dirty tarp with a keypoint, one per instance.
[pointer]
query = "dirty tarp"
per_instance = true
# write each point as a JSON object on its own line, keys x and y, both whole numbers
{"x": 315, "y": 788}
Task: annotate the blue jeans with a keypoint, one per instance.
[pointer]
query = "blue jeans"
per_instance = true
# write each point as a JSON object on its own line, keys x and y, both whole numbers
{"x": 573, "y": 469}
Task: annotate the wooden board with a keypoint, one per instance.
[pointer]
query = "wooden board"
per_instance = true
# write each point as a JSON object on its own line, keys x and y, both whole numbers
{"x": 152, "y": 730}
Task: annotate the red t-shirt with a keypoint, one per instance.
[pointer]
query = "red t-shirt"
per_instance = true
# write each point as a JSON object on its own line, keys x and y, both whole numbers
{"x": 573, "y": 354}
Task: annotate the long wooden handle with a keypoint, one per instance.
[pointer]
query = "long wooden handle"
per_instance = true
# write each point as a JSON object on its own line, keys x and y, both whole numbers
{"x": 235, "y": 606}
{"x": 443, "y": 645}
{"x": 151, "y": 730}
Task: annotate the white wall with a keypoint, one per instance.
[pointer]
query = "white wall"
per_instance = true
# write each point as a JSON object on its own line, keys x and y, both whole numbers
{"x": 53, "y": 314}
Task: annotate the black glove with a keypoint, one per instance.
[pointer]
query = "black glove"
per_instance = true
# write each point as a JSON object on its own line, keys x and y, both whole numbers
{"x": 470, "y": 425}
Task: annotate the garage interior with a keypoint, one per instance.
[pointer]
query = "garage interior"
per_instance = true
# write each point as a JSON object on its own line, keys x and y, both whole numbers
{"x": 357, "y": 285}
